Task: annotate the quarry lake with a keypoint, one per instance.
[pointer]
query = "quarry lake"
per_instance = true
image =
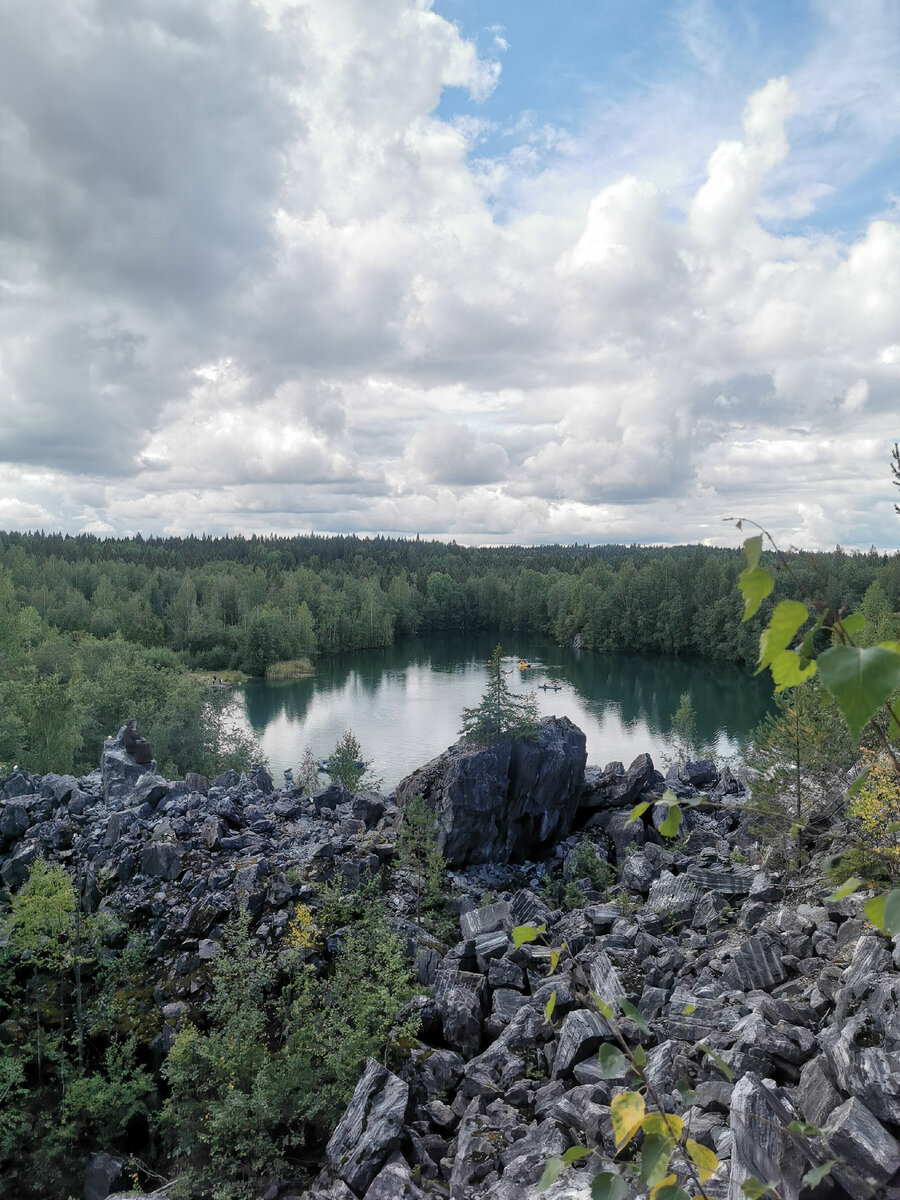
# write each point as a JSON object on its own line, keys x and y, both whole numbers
{"x": 404, "y": 702}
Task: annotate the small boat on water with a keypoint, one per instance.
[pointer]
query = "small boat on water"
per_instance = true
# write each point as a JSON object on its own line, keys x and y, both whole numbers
{"x": 523, "y": 665}
{"x": 550, "y": 687}
{"x": 323, "y": 766}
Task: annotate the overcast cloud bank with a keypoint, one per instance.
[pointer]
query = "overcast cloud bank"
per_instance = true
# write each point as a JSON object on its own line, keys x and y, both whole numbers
{"x": 250, "y": 282}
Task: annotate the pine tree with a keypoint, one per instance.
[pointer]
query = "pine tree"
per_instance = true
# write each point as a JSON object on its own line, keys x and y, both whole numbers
{"x": 798, "y": 754}
{"x": 500, "y": 715}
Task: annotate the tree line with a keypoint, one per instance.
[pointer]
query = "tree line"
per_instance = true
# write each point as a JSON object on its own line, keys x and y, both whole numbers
{"x": 93, "y": 630}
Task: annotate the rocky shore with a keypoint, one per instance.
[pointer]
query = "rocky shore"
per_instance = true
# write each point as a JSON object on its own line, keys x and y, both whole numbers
{"x": 765, "y": 1004}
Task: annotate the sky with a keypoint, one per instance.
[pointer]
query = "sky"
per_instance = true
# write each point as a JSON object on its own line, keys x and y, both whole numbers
{"x": 501, "y": 271}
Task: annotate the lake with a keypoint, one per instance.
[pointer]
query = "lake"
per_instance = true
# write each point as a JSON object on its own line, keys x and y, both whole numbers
{"x": 404, "y": 702}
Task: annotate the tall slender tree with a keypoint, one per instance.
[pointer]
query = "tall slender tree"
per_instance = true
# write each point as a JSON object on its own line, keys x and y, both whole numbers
{"x": 501, "y": 714}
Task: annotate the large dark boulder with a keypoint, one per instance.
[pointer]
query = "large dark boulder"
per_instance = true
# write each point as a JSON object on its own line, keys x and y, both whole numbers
{"x": 506, "y": 802}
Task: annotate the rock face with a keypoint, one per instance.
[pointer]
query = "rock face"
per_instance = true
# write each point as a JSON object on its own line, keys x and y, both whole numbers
{"x": 507, "y": 802}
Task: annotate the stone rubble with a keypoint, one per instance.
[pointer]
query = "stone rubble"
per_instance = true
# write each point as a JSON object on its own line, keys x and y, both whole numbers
{"x": 793, "y": 993}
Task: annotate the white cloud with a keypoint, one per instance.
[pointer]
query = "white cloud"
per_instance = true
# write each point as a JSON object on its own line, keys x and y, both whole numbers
{"x": 251, "y": 281}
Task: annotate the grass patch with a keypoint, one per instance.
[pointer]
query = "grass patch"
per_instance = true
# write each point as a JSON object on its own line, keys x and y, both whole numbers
{"x": 228, "y": 678}
{"x": 291, "y": 668}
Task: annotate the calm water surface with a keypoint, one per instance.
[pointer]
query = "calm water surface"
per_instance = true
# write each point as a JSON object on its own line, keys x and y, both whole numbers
{"x": 404, "y": 703}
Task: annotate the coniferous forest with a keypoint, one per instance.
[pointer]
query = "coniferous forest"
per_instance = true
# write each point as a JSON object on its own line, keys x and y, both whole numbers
{"x": 96, "y": 630}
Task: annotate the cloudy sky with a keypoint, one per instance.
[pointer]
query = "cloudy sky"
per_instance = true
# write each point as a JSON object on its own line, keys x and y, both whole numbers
{"x": 498, "y": 270}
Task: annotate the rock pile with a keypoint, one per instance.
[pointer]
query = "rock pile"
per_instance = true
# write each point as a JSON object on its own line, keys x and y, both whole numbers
{"x": 793, "y": 994}
{"x": 765, "y": 1008}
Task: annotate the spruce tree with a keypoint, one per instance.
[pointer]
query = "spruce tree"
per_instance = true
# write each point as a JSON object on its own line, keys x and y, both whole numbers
{"x": 500, "y": 715}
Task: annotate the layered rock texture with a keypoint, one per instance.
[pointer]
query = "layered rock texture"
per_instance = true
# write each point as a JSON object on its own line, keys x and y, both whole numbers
{"x": 730, "y": 965}
{"x": 505, "y": 802}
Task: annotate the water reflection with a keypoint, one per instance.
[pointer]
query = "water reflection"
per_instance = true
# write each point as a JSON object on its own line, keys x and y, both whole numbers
{"x": 404, "y": 702}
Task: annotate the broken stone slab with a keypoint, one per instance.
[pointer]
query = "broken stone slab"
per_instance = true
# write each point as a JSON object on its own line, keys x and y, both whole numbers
{"x": 492, "y": 918}
{"x": 602, "y": 917}
{"x": 508, "y": 1058}
{"x": 700, "y": 773}
{"x": 394, "y": 1182}
{"x": 761, "y": 1145}
{"x": 432, "y": 1072}
{"x": 523, "y": 1163}
{"x": 14, "y": 820}
{"x": 604, "y": 977}
{"x": 15, "y": 869}
{"x": 149, "y": 789}
{"x": 863, "y": 1148}
{"x": 674, "y": 897}
{"x": 734, "y": 882}
{"x": 528, "y": 909}
{"x": 582, "y": 1033}
{"x": 615, "y": 787}
{"x": 620, "y": 830}
{"x": 867, "y": 1071}
{"x": 371, "y": 1128}
{"x": 462, "y": 1016}
{"x": 638, "y": 873}
{"x": 756, "y": 964}
{"x": 161, "y": 860}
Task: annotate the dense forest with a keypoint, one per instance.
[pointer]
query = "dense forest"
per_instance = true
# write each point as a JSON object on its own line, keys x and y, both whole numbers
{"x": 95, "y": 630}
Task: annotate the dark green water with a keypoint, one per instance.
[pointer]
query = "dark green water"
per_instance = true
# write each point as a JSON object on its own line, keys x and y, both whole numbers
{"x": 403, "y": 703}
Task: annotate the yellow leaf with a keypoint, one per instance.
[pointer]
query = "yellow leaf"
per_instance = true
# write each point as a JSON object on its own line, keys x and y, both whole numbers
{"x": 668, "y": 1125}
{"x": 704, "y": 1159}
{"x": 662, "y": 1183}
{"x": 627, "y": 1112}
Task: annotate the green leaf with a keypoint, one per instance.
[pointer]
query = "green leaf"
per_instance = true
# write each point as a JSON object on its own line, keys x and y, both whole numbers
{"x": 688, "y": 1009}
{"x": 638, "y": 811}
{"x": 552, "y": 1172}
{"x": 752, "y": 550}
{"x": 720, "y": 1063}
{"x": 788, "y": 670}
{"x": 636, "y": 1015}
{"x": 803, "y": 1127}
{"x": 686, "y": 1092}
{"x": 639, "y": 1056}
{"x": 626, "y": 1112}
{"x": 853, "y": 624}
{"x": 607, "y": 1186}
{"x": 754, "y": 1188}
{"x": 847, "y": 888}
{"x": 526, "y": 933}
{"x": 655, "y": 1154}
{"x": 612, "y": 1062}
{"x": 786, "y": 619}
{"x": 554, "y": 960}
{"x": 602, "y": 1007}
{"x": 670, "y": 826}
{"x": 814, "y": 1177}
{"x": 574, "y": 1153}
{"x": 669, "y": 1190}
{"x": 859, "y": 780}
{"x": 550, "y": 1005}
{"x": 892, "y": 912}
{"x": 859, "y": 680}
{"x": 669, "y": 797}
{"x": 755, "y": 585}
{"x": 703, "y": 1159}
